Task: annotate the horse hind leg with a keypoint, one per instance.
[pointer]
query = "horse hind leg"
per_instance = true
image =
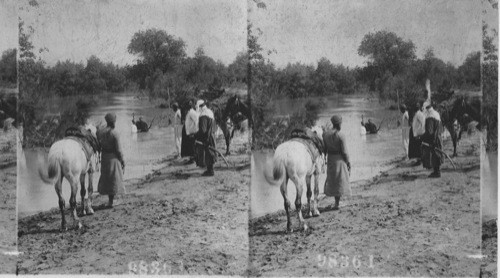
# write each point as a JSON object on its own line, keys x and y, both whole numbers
{"x": 316, "y": 194}
{"x": 299, "y": 185}
{"x": 309, "y": 194}
{"x": 454, "y": 138}
{"x": 73, "y": 181}
{"x": 83, "y": 192}
{"x": 284, "y": 193}
{"x": 227, "y": 136}
{"x": 89, "y": 210}
{"x": 62, "y": 203}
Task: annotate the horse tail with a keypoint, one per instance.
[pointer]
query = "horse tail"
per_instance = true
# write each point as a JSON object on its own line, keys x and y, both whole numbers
{"x": 54, "y": 171}
{"x": 279, "y": 170}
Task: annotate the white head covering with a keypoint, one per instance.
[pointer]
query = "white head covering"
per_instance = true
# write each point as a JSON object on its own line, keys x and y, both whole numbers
{"x": 431, "y": 113}
{"x": 205, "y": 111}
{"x": 198, "y": 103}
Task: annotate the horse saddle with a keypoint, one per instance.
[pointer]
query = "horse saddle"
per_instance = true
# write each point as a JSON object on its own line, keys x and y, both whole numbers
{"x": 314, "y": 144}
{"x": 89, "y": 143}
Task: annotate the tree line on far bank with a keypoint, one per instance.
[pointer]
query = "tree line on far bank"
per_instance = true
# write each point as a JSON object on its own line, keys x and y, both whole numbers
{"x": 392, "y": 66}
{"x": 392, "y": 72}
{"x": 163, "y": 70}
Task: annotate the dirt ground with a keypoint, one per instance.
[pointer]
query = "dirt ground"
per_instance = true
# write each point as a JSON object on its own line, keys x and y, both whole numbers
{"x": 401, "y": 223}
{"x": 489, "y": 248}
{"x": 8, "y": 174}
{"x": 173, "y": 221}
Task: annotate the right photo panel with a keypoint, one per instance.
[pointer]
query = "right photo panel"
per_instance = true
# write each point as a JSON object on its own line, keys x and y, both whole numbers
{"x": 367, "y": 138}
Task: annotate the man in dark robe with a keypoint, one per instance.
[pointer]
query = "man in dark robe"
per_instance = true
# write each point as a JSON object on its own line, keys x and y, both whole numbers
{"x": 432, "y": 158}
{"x": 205, "y": 151}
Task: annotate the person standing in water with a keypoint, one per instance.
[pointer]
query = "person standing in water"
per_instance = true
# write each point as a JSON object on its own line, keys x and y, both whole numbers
{"x": 141, "y": 125}
{"x": 112, "y": 162}
{"x": 370, "y": 127}
{"x": 338, "y": 163}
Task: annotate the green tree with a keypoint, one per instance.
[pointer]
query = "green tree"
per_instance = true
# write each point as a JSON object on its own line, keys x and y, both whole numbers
{"x": 157, "y": 49}
{"x": 237, "y": 70}
{"x": 471, "y": 69}
{"x": 202, "y": 70}
{"x": 386, "y": 51}
{"x": 489, "y": 78}
{"x": 323, "y": 77}
{"x": 8, "y": 67}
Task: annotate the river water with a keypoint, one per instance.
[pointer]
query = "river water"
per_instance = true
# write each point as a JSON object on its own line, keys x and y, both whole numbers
{"x": 143, "y": 152}
{"x": 369, "y": 154}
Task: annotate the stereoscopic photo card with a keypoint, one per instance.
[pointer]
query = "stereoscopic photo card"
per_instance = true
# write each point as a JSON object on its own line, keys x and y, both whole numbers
{"x": 249, "y": 137}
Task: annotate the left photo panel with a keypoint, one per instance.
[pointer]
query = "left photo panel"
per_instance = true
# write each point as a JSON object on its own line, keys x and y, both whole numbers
{"x": 8, "y": 135}
{"x": 134, "y": 154}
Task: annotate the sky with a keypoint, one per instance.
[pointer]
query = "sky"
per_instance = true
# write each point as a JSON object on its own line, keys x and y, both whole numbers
{"x": 8, "y": 24}
{"x": 77, "y": 29}
{"x": 305, "y": 31}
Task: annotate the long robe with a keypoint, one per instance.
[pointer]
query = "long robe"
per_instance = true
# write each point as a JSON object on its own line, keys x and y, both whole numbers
{"x": 204, "y": 155}
{"x": 337, "y": 175}
{"x": 431, "y": 158}
{"x": 415, "y": 142}
{"x": 405, "y": 131}
{"x": 188, "y": 133}
{"x": 178, "y": 131}
{"x": 187, "y": 144}
{"x": 111, "y": 179}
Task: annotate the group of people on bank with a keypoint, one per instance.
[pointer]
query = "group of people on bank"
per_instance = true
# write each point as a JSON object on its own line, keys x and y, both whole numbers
{"x": 194, "y": 139}
{"x": 421, "y": 134}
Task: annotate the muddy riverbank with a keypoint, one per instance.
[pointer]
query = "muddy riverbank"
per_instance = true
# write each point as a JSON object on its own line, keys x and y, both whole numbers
{"x": 173, "y": 220}
{"x": 401, "y": 223}
{"x": 8, "y": 201}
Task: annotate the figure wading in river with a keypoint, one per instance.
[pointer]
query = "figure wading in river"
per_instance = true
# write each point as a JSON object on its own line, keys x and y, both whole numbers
{"x": 141, "y": 125}
{"x": 370, "y": 127}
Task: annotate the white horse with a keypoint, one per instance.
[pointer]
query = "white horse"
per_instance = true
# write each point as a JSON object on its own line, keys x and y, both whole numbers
{"x": 292, "y": 160}
{"x": 67, "y": 160}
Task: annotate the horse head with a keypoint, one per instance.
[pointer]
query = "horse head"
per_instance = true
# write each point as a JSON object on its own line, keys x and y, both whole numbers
{"x": 318, "y": 130}
{"x": 235, "y": 106}
{"x": 464, "y": 105}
